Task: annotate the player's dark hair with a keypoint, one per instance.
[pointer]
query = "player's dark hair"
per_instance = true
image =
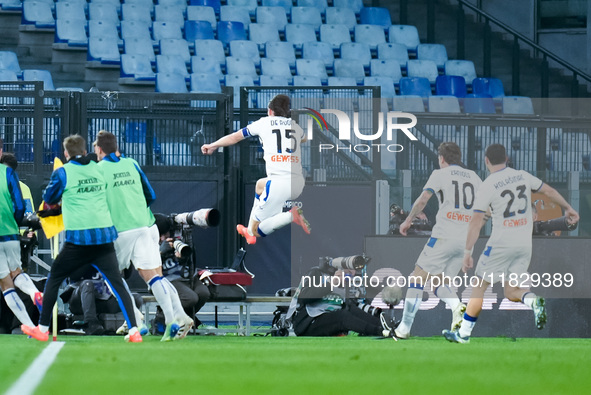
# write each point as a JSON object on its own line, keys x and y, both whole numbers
{"x": 106, "y": 141}
{"x": 280, "y": 105}
{"x": 75, "y": 145}
{"x": 9, "y": 160}
{"x": 450, "y": 152}
{"x": 496, "y": 154}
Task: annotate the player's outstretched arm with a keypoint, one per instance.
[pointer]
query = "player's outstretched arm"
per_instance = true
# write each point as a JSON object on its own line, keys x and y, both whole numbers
{"x": 417, "y": 207}
{"x": 230, "y": 139}
{"x": 571, "y": 214}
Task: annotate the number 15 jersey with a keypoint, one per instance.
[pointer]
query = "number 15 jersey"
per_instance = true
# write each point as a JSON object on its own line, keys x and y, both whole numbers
{"x": 281, "y": 139}
{"x": 455, "y": 188}
{"x": 508, "y": 194}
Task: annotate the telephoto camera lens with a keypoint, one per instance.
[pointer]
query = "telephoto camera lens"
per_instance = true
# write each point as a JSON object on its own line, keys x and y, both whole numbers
{"x": 375, "y": 311}
{"x": 203, "y": 218}
{"x": 182, "y": 249}
{"x": 353, "y": 262}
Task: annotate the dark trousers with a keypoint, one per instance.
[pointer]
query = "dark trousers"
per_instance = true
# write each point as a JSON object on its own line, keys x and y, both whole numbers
{"x": 191, "y": 298}
{"x": 349, "y": 318}
{"x": 73, "y": 258}
{"x": 84, "y": 302}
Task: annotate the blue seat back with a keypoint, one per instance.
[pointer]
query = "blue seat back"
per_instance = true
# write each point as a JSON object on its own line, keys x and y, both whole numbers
{"x": 386, "y": 68}
{"x": 375, "y": 16}
{"x": 335, "y": 35}
{"x": 307, "y": 15}
{"x": 273, "y": 15}
{"x": 171, "y": 83}
{"x": 450, "y": 85}
{"x": 235, "y": 14}
{"x": 178, "y": 47}
{"x": 137, "y": 67}
{"x": 479, "y": 104}
{"x": 171, "y": 64}
{"x": 417, "y": 86}
{"x": 206, "y": 65}
{"x": 341, "y": 16}
{"x": 281, "y": 50}
{"x": 319, "y": 50}
{"x": 262, "y": 33}
{"x": 385, "y": 83}
{"x": 434, "y": 52}
{"x": 229, "y": 31}
{"x": 212, "y": 49}
{"x": 357, "y": 51}
{"x": 408, "y": 35}
{"x": 488, "y": 86}
{"x": 40, "y": 75}
{"x": 198, "y": 30}
{"x": 202, "y": 13}
{"x": 204, "y": 83}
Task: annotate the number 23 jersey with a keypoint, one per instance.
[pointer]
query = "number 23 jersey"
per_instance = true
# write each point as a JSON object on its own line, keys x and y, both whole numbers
{"x": 281, "y": 139}
{"x": 508, "y": 194}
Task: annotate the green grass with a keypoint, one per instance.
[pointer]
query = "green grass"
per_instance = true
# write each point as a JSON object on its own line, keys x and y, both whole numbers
{"x": 265, "y": 365}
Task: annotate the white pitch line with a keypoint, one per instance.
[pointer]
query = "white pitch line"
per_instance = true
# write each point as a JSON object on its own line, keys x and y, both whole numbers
{"x": 33, "y": 376}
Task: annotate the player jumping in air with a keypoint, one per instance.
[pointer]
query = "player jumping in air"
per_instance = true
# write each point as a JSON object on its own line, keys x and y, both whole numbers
{"x": 507, "y": 192}
{"x": 281, "y": 139}
{"x": 455, "y": 188}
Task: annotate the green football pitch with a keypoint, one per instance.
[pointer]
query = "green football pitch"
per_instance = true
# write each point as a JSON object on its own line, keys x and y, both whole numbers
{"x": 268, "y": 365}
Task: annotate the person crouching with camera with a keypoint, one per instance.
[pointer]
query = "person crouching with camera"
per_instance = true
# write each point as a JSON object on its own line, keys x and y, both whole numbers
{"x": 320, "y": 309}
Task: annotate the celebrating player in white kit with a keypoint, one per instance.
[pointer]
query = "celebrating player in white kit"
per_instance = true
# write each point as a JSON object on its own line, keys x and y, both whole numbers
{"x": 281, "y": 139}
{"x": 455, "y": 188}
{"x": 507, "y": 192}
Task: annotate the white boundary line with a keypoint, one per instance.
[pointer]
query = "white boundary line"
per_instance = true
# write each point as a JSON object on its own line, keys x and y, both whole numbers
{"x": 32, "y": 377}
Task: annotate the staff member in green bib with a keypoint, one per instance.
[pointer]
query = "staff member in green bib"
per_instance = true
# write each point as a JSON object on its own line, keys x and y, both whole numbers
{"x": 129, "y": 195}
{"x": 90, "y": 234}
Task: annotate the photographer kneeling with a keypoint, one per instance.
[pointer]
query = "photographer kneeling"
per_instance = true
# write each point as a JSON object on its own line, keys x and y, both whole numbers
{"x": 320, "y": 310}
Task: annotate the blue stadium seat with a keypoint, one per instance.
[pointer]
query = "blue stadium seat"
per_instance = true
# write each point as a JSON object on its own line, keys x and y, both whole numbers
{"x": 281, "y": 50}
{"x": 166, "y": 30}
{"x": 136, "y": 12}
{"x": 70, "y": 10}
{"x": 445, "y": 104}
{"x": 206, "y": 65}
{"x": 39, "y": 75}
{"x": 229, "y": 31}
{"x": 198, "y": 30}
{"x": 386, "y": 83}
{"x": 171, "y": 83}
{"x": 37, "y": 13}
{"x": 322, "y": 5}
{"x": 139, "y": 46}
{"x": 517, "y": 105}
{"x": 450, "y": 85}
{"x": 236, "y": 81}
{"x": 137, "y": 29}
{"x": 70, "y": 32}
{"x": 202, "y": 13}
{"x": 463, "y": 68}
{"x": 407, "y": 35}
{"x": 286, "y": 4}
{"x": 306, "y": 80}
{"x": 212, "y": 49}
{"x": 415, "y": 86}
{"x": 272, "y": 15}
{"x": 204, "y": 83}
{"x": 409, "y": 103}
{"x": 355, "y": 5}
{"x": 171, "y": 64}
{"x": 479, "y": 104}
{"x": 276, "y": 67}
{"x": 311, "y": 68}
{"x": 180, "y": 47}
{"x": 375, "y": 16}
{"x": 7, "y": 75}
{"x": 393, "y": 51}
{"x": 104, "y": 50}
{"x": 386, "y": 68}
{"x": 245, "y": 49}
{"x": 251, "y": 5}
{"x": 299, "y": 34}
{"x": 370, "y": 34}
{"x": 422, "y": 68}
{"x": 241, "y": 66}
{"x": 262, "y": 33}
{"x": 341, "y": 16}
{"x": 319, "y": 50}
{"x": 235, "y": 14}
{"x": 137, "y": 67}
{"x": 12, "y": 5}
{"x": 104, "y": 12}
{"x": 342, "y": 81}
{"x": 349, "y": 68}
{"x": 356, "y": 51}
{"x": 97, "y": 28}
{"x": 335, "y": 35}
{"x": 434, "y": 52}
{"x": 169, "y": 13}
{"x": 114, "y": 2}
{"x": 9, "y": 61}
{"x": 307, "y": 15}
{"x": 215, "y": 4}
{"x": 488, "y": 86}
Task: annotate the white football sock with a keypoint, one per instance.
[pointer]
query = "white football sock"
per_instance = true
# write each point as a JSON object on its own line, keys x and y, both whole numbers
{"x": 17, "y": 306}
{"x": 43, "y": 328}
{"x": 270, "y": 225}
{"x": 162, "y": 295}
{"x": 528, "y": 299}
{"x": 412, "y": 302}
{"x": 467, "y": 325}
{"x": 25, "y": 284}
{"x": 175, "y": 300}
{"x": 449, "y": 297}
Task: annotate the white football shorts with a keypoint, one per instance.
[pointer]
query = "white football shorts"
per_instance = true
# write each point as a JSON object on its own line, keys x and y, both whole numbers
{"x": 277, "y": 191}
{"x": 442, "y": 256}
{"x": 139, "y": 246}
{"x": 10, "y": 257}
{"x": 497, "y": 263}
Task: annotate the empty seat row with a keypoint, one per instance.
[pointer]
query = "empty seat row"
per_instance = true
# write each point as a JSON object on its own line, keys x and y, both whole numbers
{"x": 472, "y": 104}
